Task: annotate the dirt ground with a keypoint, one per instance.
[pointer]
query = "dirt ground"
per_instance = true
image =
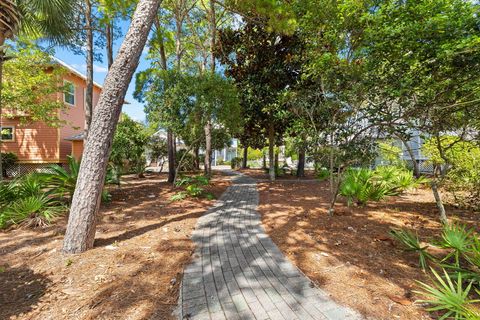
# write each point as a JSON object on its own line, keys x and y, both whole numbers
{"x": 350, "y": 255}
{"x": 142, "y": 244}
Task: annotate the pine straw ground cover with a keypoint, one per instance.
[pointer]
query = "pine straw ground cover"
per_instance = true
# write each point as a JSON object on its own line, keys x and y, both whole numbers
{"x": 133, "y": 272}
{"x": 351, "y": 255}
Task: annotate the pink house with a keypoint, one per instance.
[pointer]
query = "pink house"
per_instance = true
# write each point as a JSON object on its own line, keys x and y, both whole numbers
{"x": 37, "y": 144}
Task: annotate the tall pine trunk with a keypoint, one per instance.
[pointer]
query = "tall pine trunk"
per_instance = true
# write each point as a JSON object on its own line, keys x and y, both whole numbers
{"x": 89, "y": 63}
{"x": 80, "y": 232}
{"x": 245, "y": 157}
{"x": 271, "y": 151}
{"x": 208, "y": 147}
{"x": 109, "y": 41}
{"x": 171, "y": 156}
{"x": 208, "y": 124}
{"x": 301, "y": 162}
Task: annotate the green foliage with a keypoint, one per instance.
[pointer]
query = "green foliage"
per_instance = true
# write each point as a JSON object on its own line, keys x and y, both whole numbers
{"x": 61, "y": 182}
{"x": 451, "y": 294}
{"x": 26, "y": 200}
{"x": 157, "y": 147}
{"x": 360, "y": 186}
{"x": 411, "y": 243}
{"x": 129, "y": 144}
{"x": 390, "y": 153}
{"x": 236, "y": 163}
{"x": 34, "y": 210}
{"x": 363, "y": 185}
{"x": 457, "y": 238}
{"x": 254, "y": 154}
{"x": 26, "y": 85}
{"x": 463, "y": 160}
{"x": 186, "y": 160}
{"x": 449, "y": 297}
{"x": 397, "y": 179}
{"x": 322, "y": 173}
{"x": 193, "y": 187}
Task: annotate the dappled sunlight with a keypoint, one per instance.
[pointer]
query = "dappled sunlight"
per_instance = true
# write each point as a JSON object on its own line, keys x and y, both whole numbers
{"x": 133, "y": 271}
{"x": 350, "y": 255}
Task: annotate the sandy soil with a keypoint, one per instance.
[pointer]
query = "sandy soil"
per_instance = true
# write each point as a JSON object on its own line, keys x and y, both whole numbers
{"x": 350, "y": 255}
{"x": 142, "y": 244}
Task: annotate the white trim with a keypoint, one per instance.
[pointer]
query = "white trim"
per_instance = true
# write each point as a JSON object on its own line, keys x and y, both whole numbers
{"x": 76, "y": 72}
{"x": 13, "y": 133}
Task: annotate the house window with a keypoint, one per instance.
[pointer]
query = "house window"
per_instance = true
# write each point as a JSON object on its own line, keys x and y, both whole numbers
{"x": 69, "y": 94}
{"x": 8, "y": 134}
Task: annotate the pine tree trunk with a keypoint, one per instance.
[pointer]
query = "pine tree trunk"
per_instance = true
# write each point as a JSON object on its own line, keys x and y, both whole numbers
{"x": 80, "y": 232}
{"x": 301, "y": 162}
{"x": 196, "y": 152}
{"x": 264, "y": 161}
{"x": 208, "y": 148}
{"x": 109, "y": 40}
{"x": 245, "y": 157}
{"x": 271, "y": 151}
{"x": 89, "y": 62}
{"x": 171, "y": 156}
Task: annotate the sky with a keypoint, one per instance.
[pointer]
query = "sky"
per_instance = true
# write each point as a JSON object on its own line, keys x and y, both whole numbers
{"x": 135, "y": 108}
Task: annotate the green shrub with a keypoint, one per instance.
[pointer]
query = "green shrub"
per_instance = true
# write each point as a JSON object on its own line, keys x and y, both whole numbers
{"x": 411, "y": 243}
{"x": 360, "y": 186}
{"x": 453, "y": 294}
{"x": 449, "y": 297}
{"x": 62, "y": 182}
{"x": 193, "y": 187}
{"x": 397, "y": 179}
{"x": 322, "y": 173}
{"x": 236, "y": 163}
{"x": 363, "y": 185}
{"x": 34, "y": 210}
{"x": 457, "y": 238}
{"x": 28, "y": 200}
{"x": 188, "y": 161}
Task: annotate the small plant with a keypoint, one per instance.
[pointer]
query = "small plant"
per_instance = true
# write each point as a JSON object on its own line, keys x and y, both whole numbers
{"x": 457, "y": 238}
{"x": 359, "y": 186}
{"x": 236, "y": 163}
{"x": 179, "y": 196}
{"x": 33, "y": 211}
{"x": 411, "y": 242}
{"x": 449, "y": 297}
{"x": 193, "y": 187}
{"x": 322, "y": 174}
{"x": 68, "y": 262}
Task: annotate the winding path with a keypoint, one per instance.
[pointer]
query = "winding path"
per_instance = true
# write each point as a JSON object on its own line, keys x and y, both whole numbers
{"x": 237, "y": 271}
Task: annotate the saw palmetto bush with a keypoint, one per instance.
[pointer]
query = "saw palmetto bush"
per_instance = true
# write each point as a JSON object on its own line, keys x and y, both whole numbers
{"x": 28, "y": 201}
{"x": 411, "y": 243}
{"x": 453, "y": 293}
{"x": 450, "y": 297}
{"x": 362, "y": 185}
{"x": 397, "y": 179}
{"x": 359, "y": 186}
{"x": 61, "y": 182}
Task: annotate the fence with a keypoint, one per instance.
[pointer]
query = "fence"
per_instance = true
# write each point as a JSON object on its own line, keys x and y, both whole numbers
{"x": 20, "y": 169}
